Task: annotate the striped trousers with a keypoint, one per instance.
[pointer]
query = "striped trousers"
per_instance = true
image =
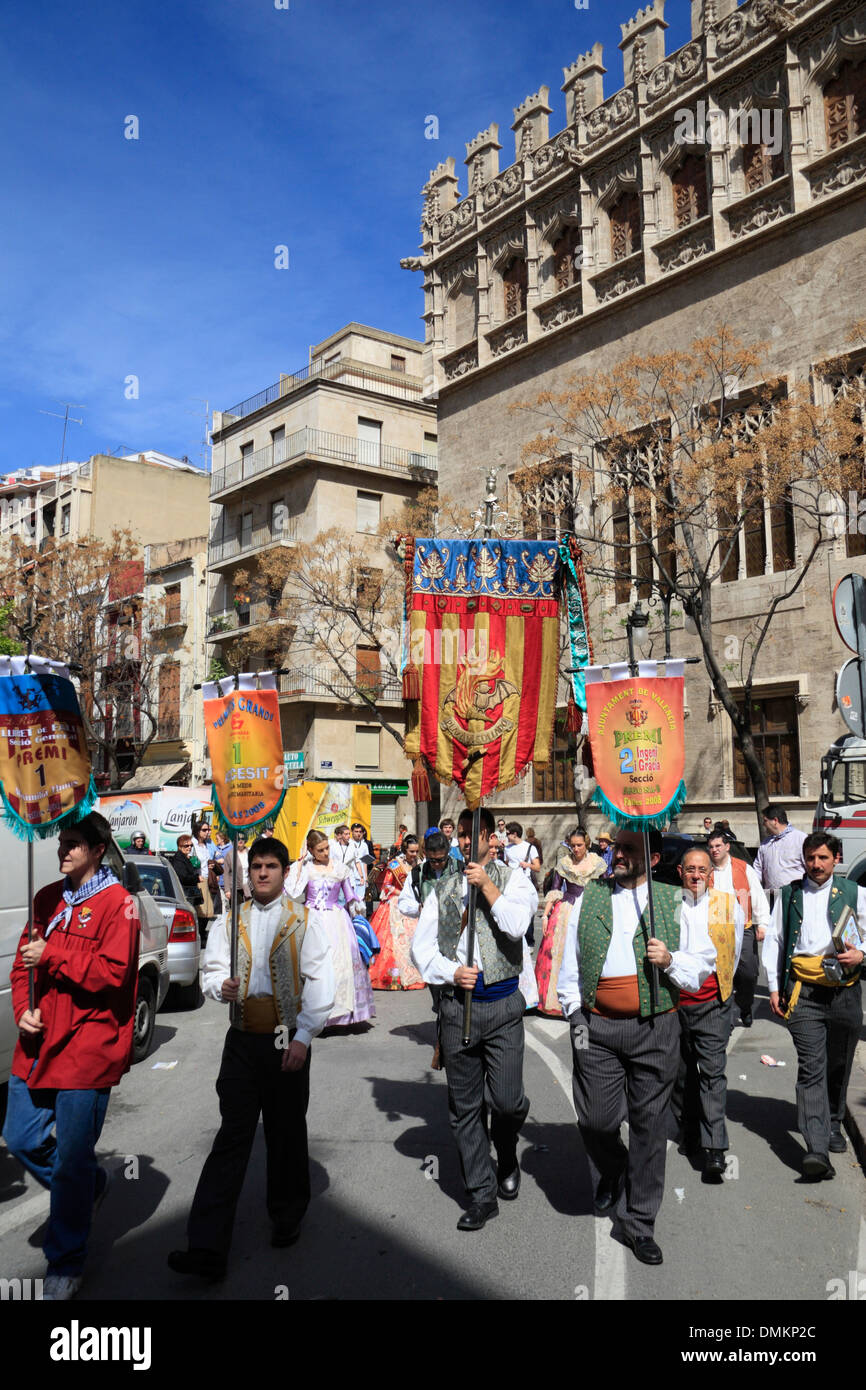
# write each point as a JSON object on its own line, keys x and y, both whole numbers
{"x": 701, "y": 1091}
{"x": 490, "y": 1068}
{"x": 625, "y": 1068}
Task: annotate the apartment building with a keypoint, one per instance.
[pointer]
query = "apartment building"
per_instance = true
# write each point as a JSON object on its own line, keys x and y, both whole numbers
{"x": 617, "y": 235}
{"x": 343, "y": 442}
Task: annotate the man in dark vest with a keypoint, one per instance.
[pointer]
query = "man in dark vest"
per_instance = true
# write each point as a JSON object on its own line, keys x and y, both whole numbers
{"x": 815, "y": 985}
{"x": 625, "y": 1032}
{"x": 494, "y": 1057}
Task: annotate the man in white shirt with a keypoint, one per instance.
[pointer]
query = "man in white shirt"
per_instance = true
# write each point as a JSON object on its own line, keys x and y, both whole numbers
{"x": 519, "y": 853}
{"x": 494, "y": 1057}
{"x": 343, "y": 848}
{"x": 737, "y": 877}
{"x": 281, "y": 998}
{"x": 780, "y": 857}
{"x": 711, "y": 920}
{"x": 815, "y": 985}
{"x": 618, "y": 987}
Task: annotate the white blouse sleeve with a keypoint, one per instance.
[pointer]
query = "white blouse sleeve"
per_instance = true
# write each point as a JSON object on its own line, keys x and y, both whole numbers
{"x": 299, "y": 877}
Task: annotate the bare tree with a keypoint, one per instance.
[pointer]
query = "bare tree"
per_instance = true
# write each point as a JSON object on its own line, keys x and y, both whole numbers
{"x": 677, "y": 455}
{"x": 83, "y": 601}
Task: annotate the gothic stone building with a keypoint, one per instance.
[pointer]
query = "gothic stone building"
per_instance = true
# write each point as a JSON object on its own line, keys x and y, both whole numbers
{"x": 765, "y": 235}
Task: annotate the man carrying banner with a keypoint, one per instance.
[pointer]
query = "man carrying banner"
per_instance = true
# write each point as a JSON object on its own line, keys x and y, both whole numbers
{"x": 494, "y": 1056}
{"x": 76, "y": 1043}
{"x": 713, "y": 923}
{"x": 285, "y": 990}
{"x": 625, "y": 1033}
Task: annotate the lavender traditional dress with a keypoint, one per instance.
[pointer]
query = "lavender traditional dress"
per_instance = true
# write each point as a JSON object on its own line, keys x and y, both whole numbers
{"x": 325, "y": 891}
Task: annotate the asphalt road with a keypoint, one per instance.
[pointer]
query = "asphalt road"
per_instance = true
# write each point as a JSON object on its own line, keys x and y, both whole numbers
{"x": 387, "y": 1188}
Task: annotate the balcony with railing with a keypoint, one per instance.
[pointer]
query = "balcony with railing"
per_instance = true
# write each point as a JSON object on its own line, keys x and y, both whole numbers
{"x": 313, "y": 444}
{"x": 178, "y": 725}
{"x": 325, "y": 683}
{"x": 170, "y": 614}
{"x": 346, "y": 370}
{"x": 225, "y": 549}
{"x": 234, "y": 621}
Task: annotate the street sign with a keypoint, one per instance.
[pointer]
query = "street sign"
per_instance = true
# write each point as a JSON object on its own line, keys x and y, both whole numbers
{"x": 326, "y": 767}
{"x": 294, "y": 762}
{"x": 849, "y": 596}
{"x": 849, "y": 696}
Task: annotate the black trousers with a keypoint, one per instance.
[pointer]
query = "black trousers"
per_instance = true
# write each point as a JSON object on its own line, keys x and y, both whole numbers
{"x": 251, "y": 1082}
{"x": 488, "y": 1071}
{"x": 825, "y": 1026}
{"x": 746, "y": 976}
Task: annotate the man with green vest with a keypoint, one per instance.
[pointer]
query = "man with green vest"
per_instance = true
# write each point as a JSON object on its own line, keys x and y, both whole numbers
{"x": 492, "y": 1063}
{"x": 625, "y": 1031}
{"x": 813, "y": 954}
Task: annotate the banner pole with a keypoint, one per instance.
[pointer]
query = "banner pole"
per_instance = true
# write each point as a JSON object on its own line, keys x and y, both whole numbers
{"x": 233, "y": 938}
{"x": 31, "y": 893}
{"x": 470, "y": 924}
{"x": 650, "y": 910}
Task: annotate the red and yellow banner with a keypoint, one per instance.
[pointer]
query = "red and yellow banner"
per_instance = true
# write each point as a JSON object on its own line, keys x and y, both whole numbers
{"x": 637, "y": 739}
{"x": 482, "y": 659}
{"x": 246, "y": 750}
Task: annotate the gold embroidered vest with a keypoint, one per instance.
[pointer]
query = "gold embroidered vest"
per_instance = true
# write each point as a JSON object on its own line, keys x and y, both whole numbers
{"x": 723, "y": 934}
{"x": 284, "y": 962}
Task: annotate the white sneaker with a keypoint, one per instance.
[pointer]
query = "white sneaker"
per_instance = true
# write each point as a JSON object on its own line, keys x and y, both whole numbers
{"x": 57, "y": 1288}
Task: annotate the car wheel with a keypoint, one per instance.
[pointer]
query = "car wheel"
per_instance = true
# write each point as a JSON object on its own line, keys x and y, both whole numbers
{"x": 188, "y": 996}
{"x": 145, "y": 1018}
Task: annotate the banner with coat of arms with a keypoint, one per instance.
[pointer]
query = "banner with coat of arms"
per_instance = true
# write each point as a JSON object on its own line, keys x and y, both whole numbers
{"x": 637, "y": 739}
{"x": 481, "y": 660}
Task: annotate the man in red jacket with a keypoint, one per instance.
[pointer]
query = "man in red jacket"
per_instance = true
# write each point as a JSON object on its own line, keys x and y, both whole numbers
{"x": 76, "y": 1043}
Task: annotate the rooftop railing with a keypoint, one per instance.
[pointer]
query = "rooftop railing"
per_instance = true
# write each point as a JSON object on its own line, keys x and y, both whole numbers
{"x": 345, "y": 370}
{"x": 322, "y": 444}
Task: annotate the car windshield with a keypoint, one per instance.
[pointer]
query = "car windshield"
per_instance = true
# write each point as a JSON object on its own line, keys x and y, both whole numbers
{"x": 156, "y": 880}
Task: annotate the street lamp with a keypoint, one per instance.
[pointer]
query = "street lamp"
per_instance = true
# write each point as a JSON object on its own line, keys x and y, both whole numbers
{"x": 637, "y": 619}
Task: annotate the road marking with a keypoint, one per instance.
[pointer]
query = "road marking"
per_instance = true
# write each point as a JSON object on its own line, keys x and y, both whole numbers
{"x": 861, "y": 1249}
{"x": 33, "y": 1209}
{"x": 609, "y": 1279}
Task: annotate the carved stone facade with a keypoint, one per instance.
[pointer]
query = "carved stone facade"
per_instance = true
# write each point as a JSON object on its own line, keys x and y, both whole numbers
{"x": 725, "y": 182}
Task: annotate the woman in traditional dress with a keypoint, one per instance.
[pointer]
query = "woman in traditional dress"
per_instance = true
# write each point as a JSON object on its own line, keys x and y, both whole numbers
{"x": 326, "y": 890}
{"x": 575, "y": 867}
{"x": 393, "y": 968}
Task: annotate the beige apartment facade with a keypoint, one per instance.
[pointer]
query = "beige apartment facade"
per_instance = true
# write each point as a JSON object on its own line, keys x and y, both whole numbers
{"x": 616, "y": 236}
{"x": 175, "y": 604}
{"x": 341, "y": 443}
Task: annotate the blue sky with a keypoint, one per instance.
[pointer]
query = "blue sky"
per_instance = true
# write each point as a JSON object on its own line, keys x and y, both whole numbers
{"x": 258, "y": 127}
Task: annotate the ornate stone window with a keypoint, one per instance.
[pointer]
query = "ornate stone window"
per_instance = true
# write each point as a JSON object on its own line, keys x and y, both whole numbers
{"x": 850, "y": 385}
{"x": 643, "y": 529}
{"x": 689, "y": 190}
{"x": 565, "y": 258}
{"x": 625, "y": 227}
{"x": 756, "y": 537}
{"x": 760, "y": 167}
{"x": 845, "y": 104}
{"x": 514, "y": 278}
{"x": 548, "y": 503}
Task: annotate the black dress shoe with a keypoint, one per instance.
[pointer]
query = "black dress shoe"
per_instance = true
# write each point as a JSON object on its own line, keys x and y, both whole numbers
{"x": 509, "y": 1185}
{"x": 285, "y": 1234}
{"x": 714, "y": 1163}
{"x": 477, "y": 1216}
{"x": 838, "y": 1142}
{"x": 645, "y": 1249}
{"x": 746, "y": 1020}
{"x": 207, "y": 1264}
{"x": 607, "y": 1193}
{"x": 817, "y": 1166}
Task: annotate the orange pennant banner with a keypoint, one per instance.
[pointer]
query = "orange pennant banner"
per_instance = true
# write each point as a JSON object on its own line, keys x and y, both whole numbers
{"x": 638, "y": 748}
{"x": 246, "y": 753}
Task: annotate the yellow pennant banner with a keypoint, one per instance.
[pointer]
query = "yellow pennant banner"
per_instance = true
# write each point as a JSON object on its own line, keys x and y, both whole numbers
{"x": 246, "y": 750}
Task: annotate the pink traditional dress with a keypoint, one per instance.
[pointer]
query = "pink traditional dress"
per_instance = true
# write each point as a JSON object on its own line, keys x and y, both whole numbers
{"x": 569, "y": 881}
{"x": 393, "y": 968}
{"x": 326, "y": 890}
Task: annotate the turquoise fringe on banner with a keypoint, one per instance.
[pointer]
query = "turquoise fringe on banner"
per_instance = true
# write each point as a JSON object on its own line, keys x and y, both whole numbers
{"x": 578, "y": 639}
{"x": 29, "y": 833}
{"x": 233, "y": 830}
{"x": 656, "y": 822}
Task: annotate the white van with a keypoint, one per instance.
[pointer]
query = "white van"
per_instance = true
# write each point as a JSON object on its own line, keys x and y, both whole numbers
{"x": 153, "y": 974}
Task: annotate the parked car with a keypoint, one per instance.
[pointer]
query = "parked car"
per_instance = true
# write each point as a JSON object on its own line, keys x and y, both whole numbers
{"x": 153, "y": 975}
{"x": 159, "y": 880}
